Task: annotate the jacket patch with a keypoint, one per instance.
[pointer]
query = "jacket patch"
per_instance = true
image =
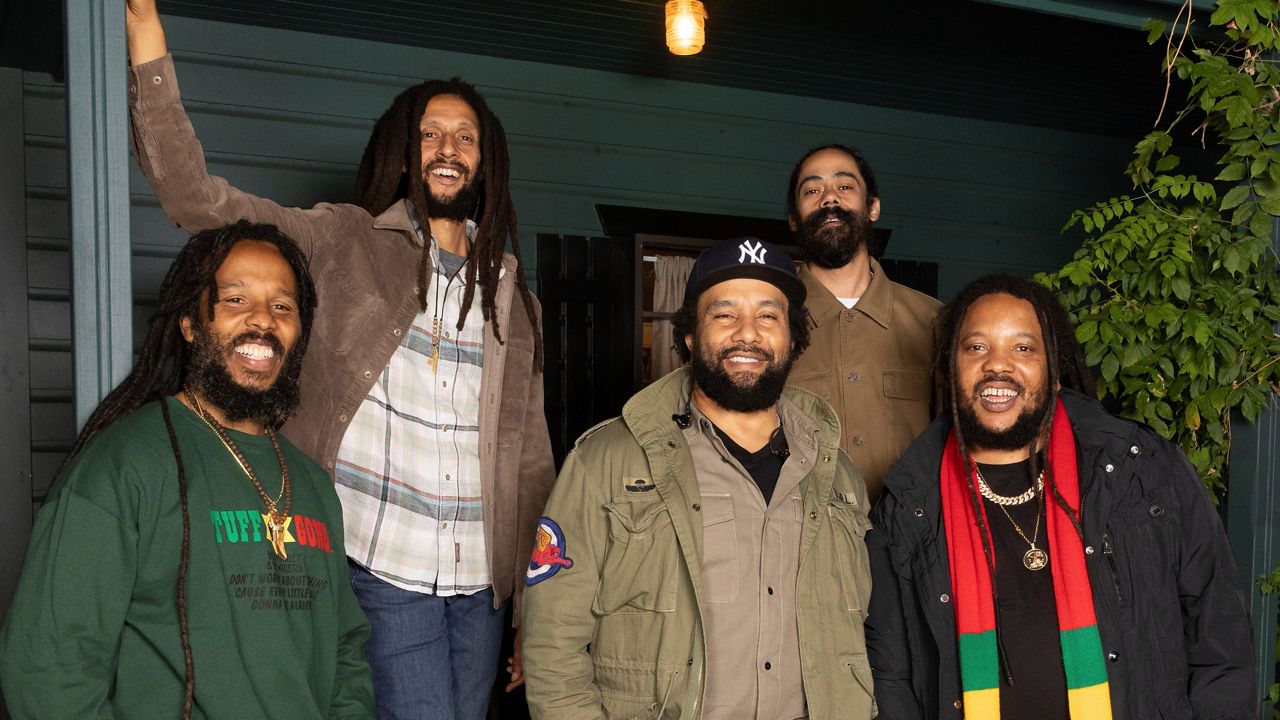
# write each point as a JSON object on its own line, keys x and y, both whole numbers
{"x": 637, "y": 485}
{"x": 548, "y": 553}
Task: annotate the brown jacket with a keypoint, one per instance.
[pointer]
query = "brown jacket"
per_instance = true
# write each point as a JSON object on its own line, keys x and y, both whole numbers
{"x": 874, "y": 365}
{"x": 365, "y": 270}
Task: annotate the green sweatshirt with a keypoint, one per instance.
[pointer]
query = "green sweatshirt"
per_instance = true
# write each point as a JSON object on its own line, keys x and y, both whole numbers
{"x": 93, "y": 629}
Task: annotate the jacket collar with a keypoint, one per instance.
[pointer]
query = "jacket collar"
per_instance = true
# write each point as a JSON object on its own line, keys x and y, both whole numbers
{"x": 876, "y": 303}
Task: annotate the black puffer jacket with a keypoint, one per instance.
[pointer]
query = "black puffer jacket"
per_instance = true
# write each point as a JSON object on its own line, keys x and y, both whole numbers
{"x": 1173, "y": 623}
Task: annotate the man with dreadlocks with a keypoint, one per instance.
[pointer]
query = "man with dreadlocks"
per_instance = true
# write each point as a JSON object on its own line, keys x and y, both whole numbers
{"x": 1036, "y": 557}
{"x": 423, "y": 394}
{"x": 183, "y": 539}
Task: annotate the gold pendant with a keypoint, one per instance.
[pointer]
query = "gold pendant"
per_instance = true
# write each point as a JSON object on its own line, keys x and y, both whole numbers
{"x": 1035, "y": 558}
{"x": 275, "y": 533}
{"x": 434, "y": 362}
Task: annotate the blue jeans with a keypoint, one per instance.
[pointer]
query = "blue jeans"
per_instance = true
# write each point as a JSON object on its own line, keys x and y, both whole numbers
{"x": 432, "y": 657}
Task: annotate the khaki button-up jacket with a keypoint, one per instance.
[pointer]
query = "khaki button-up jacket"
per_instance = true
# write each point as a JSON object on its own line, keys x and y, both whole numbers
{"x": 874, "y": 365}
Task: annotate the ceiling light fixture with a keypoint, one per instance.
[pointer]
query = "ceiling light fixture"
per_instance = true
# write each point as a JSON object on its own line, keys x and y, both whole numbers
{"x": 686, "y": 27}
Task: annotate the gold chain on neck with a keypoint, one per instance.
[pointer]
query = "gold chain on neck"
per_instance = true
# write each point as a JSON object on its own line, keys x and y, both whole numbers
{"x": 276, "y": 519}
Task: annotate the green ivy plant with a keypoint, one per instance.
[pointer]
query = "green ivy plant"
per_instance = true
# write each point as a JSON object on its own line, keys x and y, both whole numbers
{"x": 1174, "y": 291}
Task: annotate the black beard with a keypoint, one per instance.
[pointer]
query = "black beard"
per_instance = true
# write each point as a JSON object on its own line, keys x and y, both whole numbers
{"x": 832, "y": 246}
{"x": 459, "y": 207}
{"x": 207, "y": 374}
{"x": 1023, "y": 432}
{"x": 720, "y": 387}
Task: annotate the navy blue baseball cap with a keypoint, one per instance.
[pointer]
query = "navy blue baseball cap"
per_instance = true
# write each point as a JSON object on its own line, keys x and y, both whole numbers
{"x": 745, "y": 257}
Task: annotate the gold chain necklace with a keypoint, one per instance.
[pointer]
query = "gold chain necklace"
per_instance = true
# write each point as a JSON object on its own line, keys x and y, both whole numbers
{"x": 437, "y": 322}
{"x": 1034, "y": 558}
{"x": 1003, "y": 500}
{"x": 276, "y": 520}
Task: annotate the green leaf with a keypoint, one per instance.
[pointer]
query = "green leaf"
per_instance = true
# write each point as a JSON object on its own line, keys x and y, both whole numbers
{"x": 1181, "y": 288}
{"x": 1086, "y": 331}
{"x": 1234, "y": 197}
{"x": 1232, "y": 172}
{"x": 1110, "y": 366}
{"x": 1155, "y": 30}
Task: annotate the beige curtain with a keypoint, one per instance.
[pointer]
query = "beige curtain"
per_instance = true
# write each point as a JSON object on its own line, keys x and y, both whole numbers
{"x": 670, "y": 275}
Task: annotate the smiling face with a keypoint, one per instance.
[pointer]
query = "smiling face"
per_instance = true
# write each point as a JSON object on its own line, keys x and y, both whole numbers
{"x": 243, "y": 358}
{"x": 833, "y": 215}
{"x": 450, "y": 146}
{"x": 1002, "y": 372}
{"x": 741, "y": 345}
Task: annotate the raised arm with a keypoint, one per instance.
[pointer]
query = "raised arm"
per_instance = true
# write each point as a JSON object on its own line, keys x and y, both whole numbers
{"x": 145, "y": 32}
{"x": 172, "y": 159}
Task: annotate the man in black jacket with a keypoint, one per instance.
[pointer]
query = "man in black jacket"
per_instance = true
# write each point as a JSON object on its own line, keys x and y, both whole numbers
{"x": 1036, "y": 557}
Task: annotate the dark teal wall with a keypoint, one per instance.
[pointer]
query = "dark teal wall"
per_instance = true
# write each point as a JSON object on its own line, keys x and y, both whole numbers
{"x": 286, "y": 115}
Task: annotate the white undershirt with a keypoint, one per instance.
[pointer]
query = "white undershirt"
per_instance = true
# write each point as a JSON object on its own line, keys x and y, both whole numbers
{"x": 848, "y": 303}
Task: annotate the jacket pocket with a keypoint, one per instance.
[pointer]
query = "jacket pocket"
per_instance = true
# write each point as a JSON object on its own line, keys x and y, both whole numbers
{"x": 860, "y": 702}
{"x": 905, "y": 384}
{"x": 348, "y": 309}
{"x": 641, "y": 565}
{"x": 849, "y": 525}
{"x": 719, "y": 531}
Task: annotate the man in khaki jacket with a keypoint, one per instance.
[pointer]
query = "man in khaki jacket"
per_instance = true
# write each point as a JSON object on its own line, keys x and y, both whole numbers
{"x": 702, "y": 556}
{"x": 872, "y": 338}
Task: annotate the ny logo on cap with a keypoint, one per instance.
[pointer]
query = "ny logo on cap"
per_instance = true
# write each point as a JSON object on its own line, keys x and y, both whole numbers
{"x": 754, "y": 254}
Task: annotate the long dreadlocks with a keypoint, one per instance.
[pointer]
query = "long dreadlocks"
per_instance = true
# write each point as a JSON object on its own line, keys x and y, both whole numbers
{"x": 162, "y": 367}
{"x": 1066, "y": 368}
{"x": 391, "y": 170}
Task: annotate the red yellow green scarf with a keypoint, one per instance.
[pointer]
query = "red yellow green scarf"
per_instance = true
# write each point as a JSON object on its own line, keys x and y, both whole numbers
{"x": 1087, "y": 691}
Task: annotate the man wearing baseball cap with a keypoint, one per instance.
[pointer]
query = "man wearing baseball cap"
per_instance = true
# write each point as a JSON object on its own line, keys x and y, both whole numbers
{"x": 702, "y": 555}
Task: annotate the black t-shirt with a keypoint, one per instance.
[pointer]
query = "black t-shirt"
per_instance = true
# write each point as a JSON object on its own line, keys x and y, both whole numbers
{"x": 763, "y": 465}
{"x": 1027, "y": 612}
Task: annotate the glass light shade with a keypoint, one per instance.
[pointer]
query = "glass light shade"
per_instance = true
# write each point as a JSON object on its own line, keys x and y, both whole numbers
{"x": 686, "y": 27}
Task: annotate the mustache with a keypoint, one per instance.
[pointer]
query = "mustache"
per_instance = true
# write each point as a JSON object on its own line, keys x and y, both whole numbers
{"x": 266, "y": 338}
{"x": 816, "y": 221}
{"x": 744, "y": 349}
{"x": 994, "y": 378}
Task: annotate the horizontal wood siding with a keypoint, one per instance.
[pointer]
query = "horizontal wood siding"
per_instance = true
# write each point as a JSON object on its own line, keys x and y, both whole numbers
{"x": 286, "y": 115}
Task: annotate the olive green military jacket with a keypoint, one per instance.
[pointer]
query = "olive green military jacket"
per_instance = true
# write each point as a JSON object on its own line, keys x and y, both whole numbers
{"x": 612, "y": 617}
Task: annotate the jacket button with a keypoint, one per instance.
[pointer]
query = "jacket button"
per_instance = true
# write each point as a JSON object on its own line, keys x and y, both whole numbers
{"x": 854, "y": 376}
{"x": 342, "y": 418}
{"x": 919, "y": 512}
{"x": 826, "y": 458}
{"x": 396, "y": 332}
{"x": 1156, "y": 511}
{"x": 768, "y": 666}
{"x": 697, "y": 507}
{"x": 1088, "y": 550}
{"x": 367, "y": 374}
{"x": 813, "y": 515}
{"x": 1113, "y": 656}
{"x": 858, "y": 439}
{"x": 1110, "y": 468}
{"x": 1134, "y": 450}
{"x": 956, "y": 705}
{"x": 671, "y": 443}
{"x": 945, "y": 598}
